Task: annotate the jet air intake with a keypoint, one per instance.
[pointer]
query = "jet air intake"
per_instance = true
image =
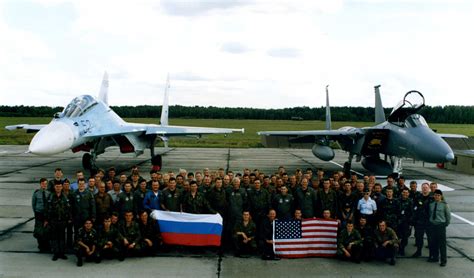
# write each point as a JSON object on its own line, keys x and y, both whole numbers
{"x": 325, "y": 153}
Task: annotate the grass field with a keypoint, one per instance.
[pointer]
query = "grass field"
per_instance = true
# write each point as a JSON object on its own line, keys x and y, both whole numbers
{"x": 248, "y": 139}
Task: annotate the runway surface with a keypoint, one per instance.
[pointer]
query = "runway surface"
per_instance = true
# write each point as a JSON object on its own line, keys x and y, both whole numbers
{"x": 20, "y": 174}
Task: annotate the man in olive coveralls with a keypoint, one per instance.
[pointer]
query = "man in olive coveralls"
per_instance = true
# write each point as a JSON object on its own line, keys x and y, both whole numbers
{"x": 58, "y": 214}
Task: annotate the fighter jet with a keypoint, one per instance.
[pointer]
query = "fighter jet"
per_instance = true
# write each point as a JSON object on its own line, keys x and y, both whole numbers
{"x": 380, "y": 148}
{"x": 90, "y": 125}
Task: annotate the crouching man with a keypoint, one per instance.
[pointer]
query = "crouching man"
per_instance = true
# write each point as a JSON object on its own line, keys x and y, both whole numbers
{"x": 109, "y": 239}
{"x": 150, "y": 234}
{"x": 349, "y": 244}
{"x": 386, "y": 243}
{"x": 267, "y": 236}
{"x": 244, "y": 236}
{"x": 86, "y": 242}
{"x": 132, "y": 237}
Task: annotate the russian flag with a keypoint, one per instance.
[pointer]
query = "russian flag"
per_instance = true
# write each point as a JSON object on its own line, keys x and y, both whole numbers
{"x": 179, "y": 228}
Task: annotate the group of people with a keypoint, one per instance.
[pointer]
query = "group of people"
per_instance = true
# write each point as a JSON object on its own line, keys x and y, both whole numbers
{"x": 107, "y": 215}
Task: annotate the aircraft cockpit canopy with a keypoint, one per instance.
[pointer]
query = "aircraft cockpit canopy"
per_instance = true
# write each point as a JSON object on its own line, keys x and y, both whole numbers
{"x": 78, "y": 106}
{"x": 415, "y": 120}
{"x": 412, "y": 102}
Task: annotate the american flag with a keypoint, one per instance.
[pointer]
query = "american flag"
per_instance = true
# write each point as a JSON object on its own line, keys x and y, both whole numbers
{"x": 307, "y": 238}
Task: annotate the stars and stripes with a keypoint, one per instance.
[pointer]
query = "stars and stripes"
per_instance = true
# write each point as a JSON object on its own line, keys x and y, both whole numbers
{"x": 307, "y": 238}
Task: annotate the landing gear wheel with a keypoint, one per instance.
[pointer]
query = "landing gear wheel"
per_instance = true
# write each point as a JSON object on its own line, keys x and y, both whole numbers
{"x": 87, "y": 161}
{"x": 347, "y": 169}
{"x": 156, "y": 162}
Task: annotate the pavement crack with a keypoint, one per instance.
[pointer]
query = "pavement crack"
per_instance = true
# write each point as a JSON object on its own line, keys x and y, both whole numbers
{"x": 5, "y": 233}
{"x": 464, "y": 255}
{"x": 33, "y": 166}
{"x": 301, "y": 158}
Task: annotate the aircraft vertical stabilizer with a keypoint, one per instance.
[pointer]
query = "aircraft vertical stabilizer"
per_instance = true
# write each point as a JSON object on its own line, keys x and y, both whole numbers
{"x": 328, "y": 110}
{"x": 104, "y": 89}
{"x": 165, "y": 107}
{"x": 379, "y": 113}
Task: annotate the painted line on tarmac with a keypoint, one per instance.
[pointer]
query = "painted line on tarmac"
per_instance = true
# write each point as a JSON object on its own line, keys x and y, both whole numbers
{"x": 462, "y": 219}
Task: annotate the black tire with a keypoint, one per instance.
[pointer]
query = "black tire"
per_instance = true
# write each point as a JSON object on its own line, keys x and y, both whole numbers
{"x": 87, "y": 161}
{"x": 347, "y": 169}
{"x": 157, "y": 161}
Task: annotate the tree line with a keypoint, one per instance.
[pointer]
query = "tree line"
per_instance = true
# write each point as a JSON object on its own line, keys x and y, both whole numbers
{"x": 434, "y": 114}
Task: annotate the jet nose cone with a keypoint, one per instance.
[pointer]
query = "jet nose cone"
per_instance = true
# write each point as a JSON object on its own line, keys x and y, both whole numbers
{"x": 450, "y": 157}
{"x": 54, "y": 138}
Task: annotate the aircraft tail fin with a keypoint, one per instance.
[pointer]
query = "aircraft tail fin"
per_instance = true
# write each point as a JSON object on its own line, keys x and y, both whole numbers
{"x": 379, "y": 113}
{"x": 165, "y": 107}
{"x": 328, "y": 110}
{"x": 104, "y": 89}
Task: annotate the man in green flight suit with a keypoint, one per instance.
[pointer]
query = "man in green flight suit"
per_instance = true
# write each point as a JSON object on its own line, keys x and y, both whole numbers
{"x": 244, "y": 233}
{"x": 349, "y": 244}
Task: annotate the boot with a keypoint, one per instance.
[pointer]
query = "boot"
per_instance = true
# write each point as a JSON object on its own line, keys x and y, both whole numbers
{"x": 79, "y": 261}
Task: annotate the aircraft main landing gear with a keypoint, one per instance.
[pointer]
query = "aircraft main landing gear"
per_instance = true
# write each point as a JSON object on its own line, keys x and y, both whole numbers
{"x": 156, "y": 162}
{"x": 347, "y": 166}
{"x": 88, "y": 161}
{"x": 347, "y": 169}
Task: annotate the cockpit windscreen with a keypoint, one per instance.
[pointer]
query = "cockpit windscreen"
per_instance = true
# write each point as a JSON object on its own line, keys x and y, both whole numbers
{"x": 78, "y": 106}
{"x": 415, "y": 120}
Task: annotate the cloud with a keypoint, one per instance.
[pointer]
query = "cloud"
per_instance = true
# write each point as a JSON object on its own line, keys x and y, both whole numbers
{"x": 199, "y": 7}
{"x": 284, "y": 52}
{"x": 187, "y": 76}
{"x": 234, "y": 48}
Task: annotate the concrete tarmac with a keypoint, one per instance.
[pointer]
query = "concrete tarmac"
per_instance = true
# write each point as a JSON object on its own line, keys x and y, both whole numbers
{"x": 19, "y": 257}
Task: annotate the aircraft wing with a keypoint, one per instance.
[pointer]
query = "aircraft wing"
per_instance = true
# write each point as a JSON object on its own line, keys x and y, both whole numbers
{"x": 125, "y": 129}
{"x": 344, "y": 136}
{"x": 316, "y": 133}
{"x": 160, "y": 130}
{"x": 29, "y": 128}
{"x": 188, "y": 130}
{"x": 446, "y": 135}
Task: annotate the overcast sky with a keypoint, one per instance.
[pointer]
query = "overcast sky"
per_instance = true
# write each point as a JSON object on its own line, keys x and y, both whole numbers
{"x": 241, "y": 53}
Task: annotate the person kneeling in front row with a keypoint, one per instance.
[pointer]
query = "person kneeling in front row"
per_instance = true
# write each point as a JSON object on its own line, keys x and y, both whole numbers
{"x": 86, "y": 242}
{"x": 244, "y": 236}
{"x": 267, "y": 236}
{"x": 386, "y": 243}
{"x": 349, "y": 244}
{"x": 109, "y": 239}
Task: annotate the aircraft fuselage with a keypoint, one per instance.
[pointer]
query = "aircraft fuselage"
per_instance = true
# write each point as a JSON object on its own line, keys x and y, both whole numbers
{"x": 71, "y": 132}
{"x": 420, "y": 143}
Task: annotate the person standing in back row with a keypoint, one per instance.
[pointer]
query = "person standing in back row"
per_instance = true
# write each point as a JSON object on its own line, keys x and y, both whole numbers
{"x": 421, "y": 218}
{"x": 38, "y": 203}
{"x": 57, "y": 215}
